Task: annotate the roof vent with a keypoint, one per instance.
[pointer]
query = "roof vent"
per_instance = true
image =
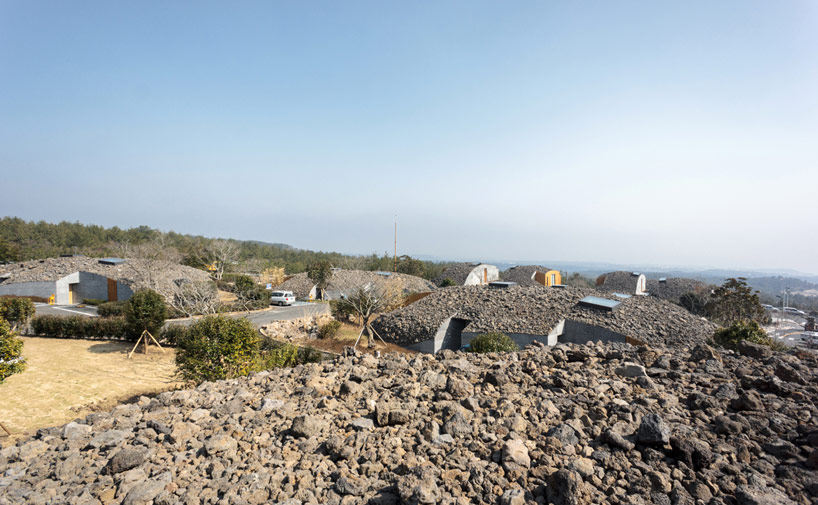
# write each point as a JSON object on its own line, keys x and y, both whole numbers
{"x": 561, "y": 286}
{"x": 111, "y": 261}
{"x": 598, "y": 303}
{"x": 662, "y": 279}
{"x": 501, "y": 284}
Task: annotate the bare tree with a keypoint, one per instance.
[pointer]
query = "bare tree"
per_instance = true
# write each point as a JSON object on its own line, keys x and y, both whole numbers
{"x": 217, "y": 255}
{"x": 192, "y": 298}
{"x": 155, "y": 256}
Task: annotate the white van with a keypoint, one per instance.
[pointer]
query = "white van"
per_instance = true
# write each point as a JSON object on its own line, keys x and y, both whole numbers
{"x": 282, "y": 298}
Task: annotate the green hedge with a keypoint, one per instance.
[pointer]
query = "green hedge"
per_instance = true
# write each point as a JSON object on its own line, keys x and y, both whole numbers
{"x": 111, "y": 309}
{"x": 79, "y": 327}
{"x": 329, "y": 329}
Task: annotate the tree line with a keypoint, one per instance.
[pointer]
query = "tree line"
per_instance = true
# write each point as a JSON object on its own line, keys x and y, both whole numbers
{"x": 22, "y": 240}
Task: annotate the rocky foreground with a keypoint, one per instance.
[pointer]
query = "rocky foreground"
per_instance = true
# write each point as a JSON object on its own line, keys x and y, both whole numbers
{"x": 568, "y": 425}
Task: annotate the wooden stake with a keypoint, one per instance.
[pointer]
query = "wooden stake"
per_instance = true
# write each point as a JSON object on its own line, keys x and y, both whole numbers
{"x": 144, "y": 340}
{"x": 359, "y": 338}
{"x": 8, "y": 433}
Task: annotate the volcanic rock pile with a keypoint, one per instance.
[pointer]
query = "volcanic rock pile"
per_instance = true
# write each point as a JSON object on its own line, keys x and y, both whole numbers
{"x": 571, "y": 424}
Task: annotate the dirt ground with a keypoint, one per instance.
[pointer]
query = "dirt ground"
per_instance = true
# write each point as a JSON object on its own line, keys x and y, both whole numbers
{"x": 66, "y": 379}
{"x": 346, "y": 338}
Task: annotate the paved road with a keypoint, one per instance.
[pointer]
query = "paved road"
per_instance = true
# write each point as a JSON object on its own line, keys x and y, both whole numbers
{"x": 261, "y": 317}
{"x": 44, "y": 309}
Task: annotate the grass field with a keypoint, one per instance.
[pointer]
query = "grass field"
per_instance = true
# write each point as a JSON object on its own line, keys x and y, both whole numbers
{"x": 66, "y": 379}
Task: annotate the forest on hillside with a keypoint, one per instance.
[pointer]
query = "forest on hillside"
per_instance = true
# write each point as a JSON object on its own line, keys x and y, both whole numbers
{"x": 22, "y": 240}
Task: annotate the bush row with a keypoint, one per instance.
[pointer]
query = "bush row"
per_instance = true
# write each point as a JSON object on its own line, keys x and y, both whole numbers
{"x": 113, "y": 328}
{"x": 80, "y": 327}
{"x": 111, "y": 309}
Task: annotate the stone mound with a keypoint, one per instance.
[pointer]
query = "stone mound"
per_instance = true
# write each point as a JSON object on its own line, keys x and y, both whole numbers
{"x": 571, "y": 424}
{"x": 537, "y": 310}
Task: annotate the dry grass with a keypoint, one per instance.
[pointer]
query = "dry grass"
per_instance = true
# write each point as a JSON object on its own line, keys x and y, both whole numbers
{"x": 66, "y": 379}
{"x": 346, "y": 338}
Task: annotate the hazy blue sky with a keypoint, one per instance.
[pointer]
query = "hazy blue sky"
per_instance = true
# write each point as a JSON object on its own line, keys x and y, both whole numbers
{"x": 640, "y": 132}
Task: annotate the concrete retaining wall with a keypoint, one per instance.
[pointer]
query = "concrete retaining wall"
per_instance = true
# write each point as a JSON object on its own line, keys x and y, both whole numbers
{"x": 576, "y": 332}
{"x": 41, "y": 289}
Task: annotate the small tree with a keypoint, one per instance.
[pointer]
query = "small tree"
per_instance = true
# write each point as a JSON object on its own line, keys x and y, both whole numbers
{"x": 249, "y": 294}
{"x": 11, "y": 350}
{"x": 493, "y": 342}
{"x": 320, "y": 272}
{"x": 367, "y": 302}
{"x": 17, "y": 311}
{"x": 145, "y": 310}
{"x": 217, "y": 347}
{"x": 445, "y": 283}
{"x": 743, "y": 330}
{"x": 735, "y": 301}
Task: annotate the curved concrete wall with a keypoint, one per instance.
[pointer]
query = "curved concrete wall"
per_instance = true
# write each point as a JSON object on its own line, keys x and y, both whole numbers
{"x": 482, "y": 274}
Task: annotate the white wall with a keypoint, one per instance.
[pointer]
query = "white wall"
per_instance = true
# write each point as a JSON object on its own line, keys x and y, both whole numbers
{"x": 476, "y": 275}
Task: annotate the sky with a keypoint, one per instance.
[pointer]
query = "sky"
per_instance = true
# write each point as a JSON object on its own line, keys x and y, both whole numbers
{"x": 660, "y": 133}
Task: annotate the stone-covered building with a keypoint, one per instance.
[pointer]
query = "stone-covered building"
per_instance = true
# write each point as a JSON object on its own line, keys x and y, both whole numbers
{"x": 627, "y": 283}
{"x": 450, "y": 318}
{"x": 346, "y": 282}
{"x": 673, "y": 288}
{"x": 469, "y": 274}
{"x": 532, "y": 275}
{"x": 70, "y": 280}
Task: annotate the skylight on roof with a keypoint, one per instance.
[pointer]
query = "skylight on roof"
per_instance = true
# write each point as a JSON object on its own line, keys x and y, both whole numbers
{"x": 596, "y": 302}
{"x": 501, "y": 284}
{"x": 111, "y": 261}
{"x": 385, "y": 274}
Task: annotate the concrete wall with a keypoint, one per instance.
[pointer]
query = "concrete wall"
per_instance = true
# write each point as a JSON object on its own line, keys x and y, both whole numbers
{"x": 40, "y": 289}
{"x": 448, "y": 336}
{"x": 88, "y": 285}
{"x": 63, "y": 296}
{"x": 96, "y": 286}
{"x": 521, "y": 339}
{"x": 580, "y": 333}
{"x": 475, "y": 277}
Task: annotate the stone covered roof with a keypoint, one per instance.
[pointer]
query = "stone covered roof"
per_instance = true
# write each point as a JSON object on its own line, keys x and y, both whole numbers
{"x": 673, "y": 288}
{"x": 619, "y": 281}
{"x": 347, "y": 281}
{"x": 457, "y": 272}
{"x": 536, "y": 310}
{"x": 523, "y": 274}
{"x": 136, "y": 273}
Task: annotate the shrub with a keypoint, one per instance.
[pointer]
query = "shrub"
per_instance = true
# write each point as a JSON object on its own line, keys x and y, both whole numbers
{"x": 493, "y": 342}
{"x": 172, "y": 334}
{"x": 11, "y": 350}
{"x": 79, "y": 327}
{"x": 340, "y": 311}
{"x": 217, "y": 347}
{"x": 329, "y": 329}
{"x": 750, "y": 331}
{"x": 276, "y": 355}
{"x": 93, "y": 301}
{"x": 145, "y": 310}
{"x": 111, "y": 309}
{"x": 16, "y": 310}
{"x": 446, "y": 283}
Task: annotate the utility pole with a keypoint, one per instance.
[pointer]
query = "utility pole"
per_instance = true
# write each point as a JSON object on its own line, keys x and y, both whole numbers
{"x": 396, "y": 244}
